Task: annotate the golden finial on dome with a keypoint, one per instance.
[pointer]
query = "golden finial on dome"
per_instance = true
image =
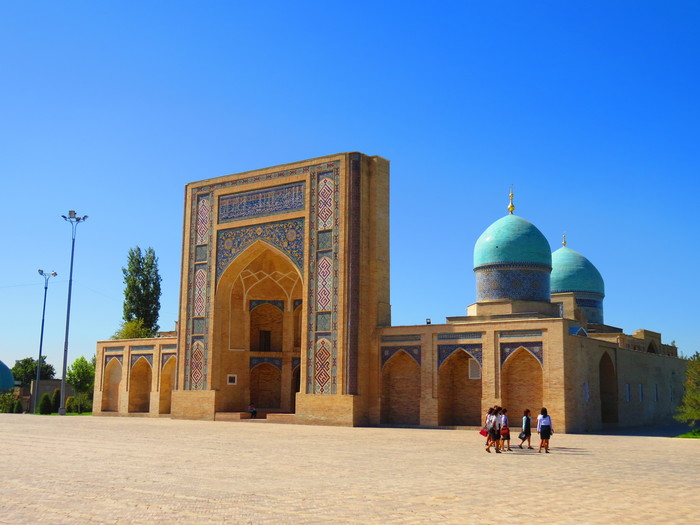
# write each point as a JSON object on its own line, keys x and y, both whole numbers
{"x": 511, "y": 207}
{"x": 563, "y": 241}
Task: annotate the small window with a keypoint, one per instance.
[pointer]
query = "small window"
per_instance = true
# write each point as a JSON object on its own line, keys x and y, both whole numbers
{"x": 474, "y": 369}
{"x": 627, "y": 393}
{"x": 231, "y": 379}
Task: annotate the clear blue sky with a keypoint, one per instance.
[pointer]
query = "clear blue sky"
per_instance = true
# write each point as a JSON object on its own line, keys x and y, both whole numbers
{"x": 590, "y": 109}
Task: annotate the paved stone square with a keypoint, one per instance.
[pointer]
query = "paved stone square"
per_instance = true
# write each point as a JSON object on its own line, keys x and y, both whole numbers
{"x": 137, "y": 470}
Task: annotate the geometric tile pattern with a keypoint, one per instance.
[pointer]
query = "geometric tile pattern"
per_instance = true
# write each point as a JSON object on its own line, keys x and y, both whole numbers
{"x": 164, "y": 358}
{"x": 203, "y": 220}
{"x": 286, "y": 236}
{"x": 142, "y": 348}
{"x": 445, "y": 351}
{"x": 197, "y": 366}
{"x": 413, "y": 350}
{"x": 515, "y": 283}
{"x": 535, "y": 348}
{"x": 200, "y": 291}
{"x": 296, "y": 361}
{"x": 322, "y": 373}
{"x": 325, "y": 203}
{"x": 400, "y": 338}
{"x": 323, "y": 321}
{"x": 136, "y": 357}
{"x": 324, "y": 284}
{"x": 259, "y": 203}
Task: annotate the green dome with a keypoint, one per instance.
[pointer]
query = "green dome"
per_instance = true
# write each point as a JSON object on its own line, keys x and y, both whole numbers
{"x": 7, "y": 380}
{"x": 572, "y": 272}
{"x": 512, "y": 239}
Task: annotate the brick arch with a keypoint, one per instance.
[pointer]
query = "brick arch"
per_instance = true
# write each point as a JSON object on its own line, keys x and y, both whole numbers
{"x": 521, "y": 383}
{"x": 608, "y": 389}
{"x": 140, "y": 386}
{"x": 400, "y": 401}
{"x": 266, "y": 318}
{"x": 265, "y": 386}
{"x": 459, "y": 398}
{"x": 110, "y": 386}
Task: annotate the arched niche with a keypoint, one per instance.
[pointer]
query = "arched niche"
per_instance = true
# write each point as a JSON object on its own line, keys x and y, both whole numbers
{"x": 521, "y": 383}
{"x": 140, "y": 386}
{"x": 266, "y": 386}
{"x": 608, "y": 389}
{"x": 110, "y": 386}
{"x": 459, "y": 397}
{"x": 400, "y": 401}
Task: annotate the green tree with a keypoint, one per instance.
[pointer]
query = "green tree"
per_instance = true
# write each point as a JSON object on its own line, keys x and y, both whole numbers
{"x": 6, "y": 403}
{"x": 689, "y": 409}
{"x": 56, "y": 400}
{"x": 45, "y": 405}
{"x": 81, "y": 374}
{"x": 24, "y": 370}
{"x": 132, "y": 330}
{"x": 142, "y": 288}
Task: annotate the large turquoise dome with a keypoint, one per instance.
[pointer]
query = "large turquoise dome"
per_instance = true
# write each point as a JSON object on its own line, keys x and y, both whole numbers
{"x": 572, "y": 272}
{"x": 7, "y": 380}
{"x": 512, "y": 239}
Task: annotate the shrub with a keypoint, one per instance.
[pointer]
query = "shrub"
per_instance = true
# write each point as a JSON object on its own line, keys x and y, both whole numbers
{"x": 56, "y": 400}
{"x": 80, "y": 403}
{"x": 70, "y": 401}
{"x": 45, "y": 405}
{"x": 6, "y": 403}
{"x": 18, "y": 408}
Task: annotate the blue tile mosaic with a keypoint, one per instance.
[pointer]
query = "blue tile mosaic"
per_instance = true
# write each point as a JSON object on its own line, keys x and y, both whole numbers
{"x": 296, "y": 361}
{"x": 520, "y": 333}
{"x": 578, "y": 330}
{"x": 200, "y": 253}
{"x": 261, "y": 203}
{"x": 445, "y": 351}
{"x": 114, "y": 349}
{"x": 286, "y": 236}
{"x": 164, "y": 358}
{"x": 108, "y": 358}
{"x": 166, "y": 348}
{"x": 388, "y": 351}
{"x": 522, "y": 284}
{"x": 591, "y": 303}
{"x": 136, "y": 357}
{"x": 323, "y": 321}
{"x": 254, "y": 303}
{"x": 142, "y": 348}
{"x": 198, "y": 326}
{"x": 400, "y": 338}
{"x": 297, "y": 303}
{"x": 535, "y": 348}
{"x": 452, "y": 336}
{"x": 274, "y": 361}
{"x": 325, "y": 240}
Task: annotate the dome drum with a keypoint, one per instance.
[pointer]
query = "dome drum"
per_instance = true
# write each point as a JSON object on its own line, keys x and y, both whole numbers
{"x": 591, "y": 305}
{"x": 512, "y": 282}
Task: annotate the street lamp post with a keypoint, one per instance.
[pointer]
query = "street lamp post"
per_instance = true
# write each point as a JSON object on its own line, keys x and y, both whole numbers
{"x": 46, "y": 277}
{"x": 74, "y": 221}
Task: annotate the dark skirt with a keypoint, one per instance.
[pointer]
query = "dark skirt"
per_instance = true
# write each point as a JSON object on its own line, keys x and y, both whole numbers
{"x": 545, "y": 432}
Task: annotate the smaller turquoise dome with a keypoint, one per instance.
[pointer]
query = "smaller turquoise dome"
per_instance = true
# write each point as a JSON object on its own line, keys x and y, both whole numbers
{"x": 572, "y": 272}
{"x": 512, "y": 239}
{"x": 7, "y": 380}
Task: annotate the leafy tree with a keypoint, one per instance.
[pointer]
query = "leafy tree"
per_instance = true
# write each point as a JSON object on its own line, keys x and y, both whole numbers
{"x": 689, "y": 409}
{"x": 6, "y": 403}
{"x": 45, "y": 405}
{"x": 56, "y": 400}
{"x": 81, "y": 374}
{"x": 132, "y": 330}
{"x": 24, "y": 370}
{"x": 142, "y": 290}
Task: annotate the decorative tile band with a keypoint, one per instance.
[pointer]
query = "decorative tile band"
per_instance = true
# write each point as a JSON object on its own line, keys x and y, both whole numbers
{"x": 507, "y": 349}
{"x": 203, "y": 209}
{"x": 591, "y": 303}
{"x": 262, "y": 203}
{"x": 286, "y": 236}
{"x": 401, "y": 338}
{"x": 114, "y": 349}
{"x": 164, "y": 358}
{"x": 136, "y": 357}
{"x": 524, "y": 284}
{"x": 142, "y": 348}
{"x": 108, "y": 358}
{"x": 445, "y": 351}
{"x": 254, "y": 303}
{"x": 166, "y": 348}
{"x": 520, "y": 333}
{"x": 274, "y": 361}
{"x": 413, "y": 350}
{"x": 459, "y": 335}
{"x": 578, "y": 330}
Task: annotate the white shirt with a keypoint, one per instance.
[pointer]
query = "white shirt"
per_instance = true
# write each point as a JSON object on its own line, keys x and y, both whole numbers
{"x": 544, "y": 421}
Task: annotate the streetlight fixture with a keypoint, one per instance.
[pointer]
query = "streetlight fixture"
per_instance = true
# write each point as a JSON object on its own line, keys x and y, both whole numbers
{"x": 46, "y": 277}
{"x": 74, "y": 220}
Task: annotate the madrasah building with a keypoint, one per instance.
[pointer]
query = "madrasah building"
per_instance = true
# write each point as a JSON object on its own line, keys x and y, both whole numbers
{"x": 284, "y": 303}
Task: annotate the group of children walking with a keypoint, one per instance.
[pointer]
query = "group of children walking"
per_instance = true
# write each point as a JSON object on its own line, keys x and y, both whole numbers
{"x": 496, "y": 429}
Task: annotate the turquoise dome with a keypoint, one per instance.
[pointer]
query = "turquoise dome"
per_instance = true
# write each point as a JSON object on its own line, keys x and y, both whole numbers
{"x": 7, "y": 380}
{"x": 512, "y": 239}
{"x": 572, "y": 272}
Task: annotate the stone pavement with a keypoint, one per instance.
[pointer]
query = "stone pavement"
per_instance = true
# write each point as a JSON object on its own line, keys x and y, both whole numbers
{"x": 60, "y": 470}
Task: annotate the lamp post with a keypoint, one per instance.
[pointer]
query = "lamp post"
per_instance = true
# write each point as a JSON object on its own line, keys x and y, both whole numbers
{"x": 46, "y": 277}
{"x": 74, "y": 221}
